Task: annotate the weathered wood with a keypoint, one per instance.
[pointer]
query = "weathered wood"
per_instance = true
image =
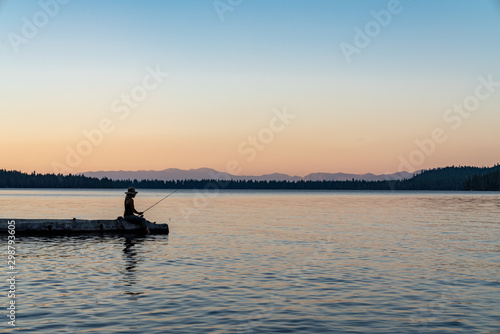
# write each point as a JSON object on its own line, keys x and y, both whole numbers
{"x": 69, "y": 226}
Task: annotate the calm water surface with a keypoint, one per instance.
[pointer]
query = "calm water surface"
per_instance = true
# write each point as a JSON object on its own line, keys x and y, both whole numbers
{"x": 263, "y": 262}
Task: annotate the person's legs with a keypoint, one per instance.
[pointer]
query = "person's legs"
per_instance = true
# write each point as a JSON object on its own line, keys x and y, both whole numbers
{"x": 139, "y": 221}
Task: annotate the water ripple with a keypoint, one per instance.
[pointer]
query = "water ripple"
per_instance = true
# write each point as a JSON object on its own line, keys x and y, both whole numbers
{"x": 271, "y": 263}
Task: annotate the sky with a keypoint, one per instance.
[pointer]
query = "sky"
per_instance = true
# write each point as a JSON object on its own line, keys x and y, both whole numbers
{"x": 249, "y": 86}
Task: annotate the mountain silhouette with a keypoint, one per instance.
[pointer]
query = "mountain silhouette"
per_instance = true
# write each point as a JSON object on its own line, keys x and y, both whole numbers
{"x": 173, "y": 174}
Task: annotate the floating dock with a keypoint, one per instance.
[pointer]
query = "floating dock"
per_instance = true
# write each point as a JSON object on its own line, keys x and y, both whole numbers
{"x": 75, "y": 226}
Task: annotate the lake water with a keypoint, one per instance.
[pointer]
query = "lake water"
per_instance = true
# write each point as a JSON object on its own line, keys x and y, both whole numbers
{"x": 262, "y": 262}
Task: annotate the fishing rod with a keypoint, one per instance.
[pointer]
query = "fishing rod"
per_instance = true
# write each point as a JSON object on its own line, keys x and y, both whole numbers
{"x": 173, "y": 192}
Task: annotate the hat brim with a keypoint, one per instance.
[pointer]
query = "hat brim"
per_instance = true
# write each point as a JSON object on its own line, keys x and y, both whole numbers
{"x": 131, "y": 193}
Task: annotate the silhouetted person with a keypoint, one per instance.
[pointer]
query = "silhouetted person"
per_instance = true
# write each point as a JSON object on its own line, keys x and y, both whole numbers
{"x": 128, "y": 215}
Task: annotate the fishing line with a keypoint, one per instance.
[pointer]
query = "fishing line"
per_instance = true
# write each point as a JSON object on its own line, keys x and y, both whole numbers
{"x": 173, "y": 192}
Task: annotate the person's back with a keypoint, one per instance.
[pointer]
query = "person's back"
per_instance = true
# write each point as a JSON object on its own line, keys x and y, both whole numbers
{"x": 129, "y": 206}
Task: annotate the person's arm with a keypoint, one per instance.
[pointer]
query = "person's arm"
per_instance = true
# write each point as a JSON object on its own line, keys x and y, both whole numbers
{"x": 133, "y": 207}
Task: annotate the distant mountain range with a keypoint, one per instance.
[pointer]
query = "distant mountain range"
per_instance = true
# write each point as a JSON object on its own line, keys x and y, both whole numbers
{"x": 173, "y": 174}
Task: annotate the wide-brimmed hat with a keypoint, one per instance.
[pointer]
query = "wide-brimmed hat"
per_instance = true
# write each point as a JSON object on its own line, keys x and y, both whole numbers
{"x": 131, "y": 191}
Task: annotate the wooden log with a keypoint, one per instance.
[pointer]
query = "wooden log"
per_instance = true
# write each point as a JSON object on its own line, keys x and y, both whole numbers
{"x": 74, "y": 226}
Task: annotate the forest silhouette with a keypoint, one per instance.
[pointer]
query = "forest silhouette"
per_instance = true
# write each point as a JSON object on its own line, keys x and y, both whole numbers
{"x": 447, "y": 178}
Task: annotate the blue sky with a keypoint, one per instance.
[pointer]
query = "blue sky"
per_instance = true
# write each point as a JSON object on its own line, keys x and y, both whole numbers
{"x": 226, "y": 76}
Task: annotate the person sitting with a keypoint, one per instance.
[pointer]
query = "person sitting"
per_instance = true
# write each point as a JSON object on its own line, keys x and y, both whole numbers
{"x": 129, "y": 215}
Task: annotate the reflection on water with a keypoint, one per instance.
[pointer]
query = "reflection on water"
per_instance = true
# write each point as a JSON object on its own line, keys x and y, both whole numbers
{"x": 269, "y": 262}
{"x": 130, "y": 258}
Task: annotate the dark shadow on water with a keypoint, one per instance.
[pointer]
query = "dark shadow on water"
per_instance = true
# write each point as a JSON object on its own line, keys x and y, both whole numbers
{"x": 132, "y": 257}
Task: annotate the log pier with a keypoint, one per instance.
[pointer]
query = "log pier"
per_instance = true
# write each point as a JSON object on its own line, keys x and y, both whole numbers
{"x": 76, "y": 226}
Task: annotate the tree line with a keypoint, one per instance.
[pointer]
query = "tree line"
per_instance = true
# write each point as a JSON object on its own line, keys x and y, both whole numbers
{"x": 447, "y": 178}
